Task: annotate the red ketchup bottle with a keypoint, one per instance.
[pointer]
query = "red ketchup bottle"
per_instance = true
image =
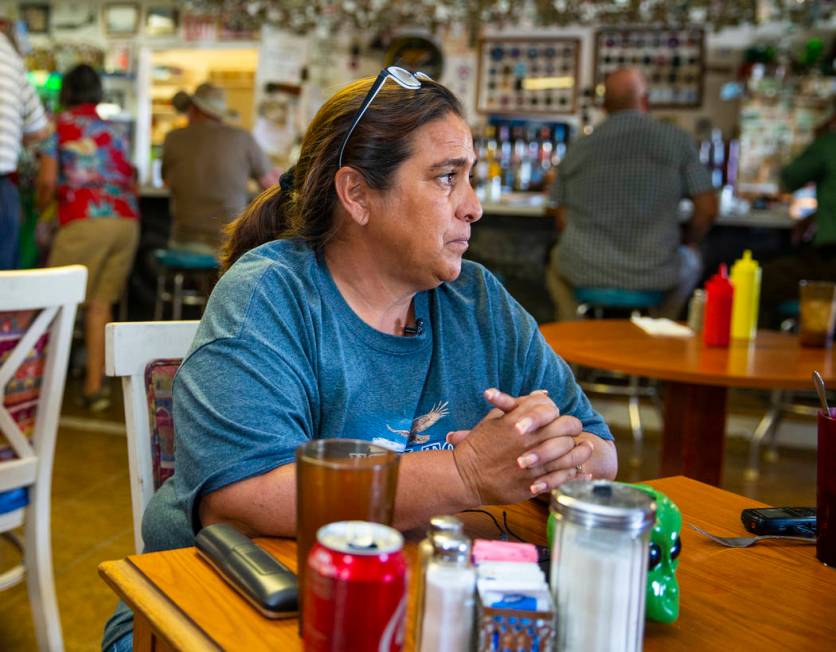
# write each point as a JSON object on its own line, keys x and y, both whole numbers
{"x": 718, "y": 308}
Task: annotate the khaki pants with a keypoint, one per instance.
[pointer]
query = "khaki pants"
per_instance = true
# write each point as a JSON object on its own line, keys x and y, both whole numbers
{"x": 106, "y": 246}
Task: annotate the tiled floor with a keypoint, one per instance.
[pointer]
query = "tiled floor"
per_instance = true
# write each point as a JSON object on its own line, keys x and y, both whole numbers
{"x": 92, "y": 515}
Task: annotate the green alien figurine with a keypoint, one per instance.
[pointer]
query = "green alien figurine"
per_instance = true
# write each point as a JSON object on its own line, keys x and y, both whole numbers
{"x": 662, "y": 600}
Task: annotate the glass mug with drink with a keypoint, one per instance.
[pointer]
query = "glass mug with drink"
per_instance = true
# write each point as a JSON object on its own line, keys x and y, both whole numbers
{"x": 817, "y": 308}
{"x": 340, "y": 480}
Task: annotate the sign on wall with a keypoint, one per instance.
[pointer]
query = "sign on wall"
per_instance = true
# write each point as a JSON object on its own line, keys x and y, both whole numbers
{"x": 528, "y": 75}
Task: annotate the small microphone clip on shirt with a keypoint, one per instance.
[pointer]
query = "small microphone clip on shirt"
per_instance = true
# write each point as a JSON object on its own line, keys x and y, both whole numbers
{"x": 418, "y": 329}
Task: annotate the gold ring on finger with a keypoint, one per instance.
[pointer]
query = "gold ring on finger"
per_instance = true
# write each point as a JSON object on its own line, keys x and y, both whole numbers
{"x": 579, "y": 468}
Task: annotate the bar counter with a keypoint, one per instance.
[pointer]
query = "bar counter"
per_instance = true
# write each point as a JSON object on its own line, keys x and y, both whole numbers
{"x": 535, "y": 205}
{"x": 513, "y": 239}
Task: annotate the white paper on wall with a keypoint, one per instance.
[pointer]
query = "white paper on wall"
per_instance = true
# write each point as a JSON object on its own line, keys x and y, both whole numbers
{"x": 460, "y": 77}
{"x": 281, "y": 57}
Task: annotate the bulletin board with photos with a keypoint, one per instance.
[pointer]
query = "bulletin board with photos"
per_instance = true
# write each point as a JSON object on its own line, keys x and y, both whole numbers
{"x": 528, "y": 75}
{"x": 672, "y": 60}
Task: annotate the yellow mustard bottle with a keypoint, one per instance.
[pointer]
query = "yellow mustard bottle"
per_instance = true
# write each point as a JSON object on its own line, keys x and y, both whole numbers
{"x": 746, "y": 279}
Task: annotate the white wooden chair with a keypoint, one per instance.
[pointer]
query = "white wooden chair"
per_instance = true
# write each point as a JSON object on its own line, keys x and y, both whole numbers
{"x": 129, "y": 348}
{"x": 44, "y": 303}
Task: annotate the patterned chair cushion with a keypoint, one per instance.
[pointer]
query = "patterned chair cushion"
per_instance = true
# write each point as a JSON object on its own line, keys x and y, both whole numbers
{"x": 20, "y": 396}
{"x": 159, "y": 381}
{"x": 21, "y": 393}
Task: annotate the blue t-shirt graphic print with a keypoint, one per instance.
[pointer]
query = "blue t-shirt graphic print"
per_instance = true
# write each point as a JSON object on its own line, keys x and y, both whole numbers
{"x": 413, "y": 434}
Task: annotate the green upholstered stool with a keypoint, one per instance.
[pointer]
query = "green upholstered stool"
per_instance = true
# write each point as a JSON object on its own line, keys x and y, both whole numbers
{"x": 175, "y": 268}
{"x": 598, "y": 299}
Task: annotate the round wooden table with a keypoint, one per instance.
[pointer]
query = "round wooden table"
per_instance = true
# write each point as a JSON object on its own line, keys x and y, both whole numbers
{"x": 698, "y": 376}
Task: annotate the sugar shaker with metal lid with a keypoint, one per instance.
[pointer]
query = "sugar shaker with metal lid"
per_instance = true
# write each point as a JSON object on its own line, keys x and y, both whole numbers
{"x": 438, "y": 524}
{"x": 599, "y": 564}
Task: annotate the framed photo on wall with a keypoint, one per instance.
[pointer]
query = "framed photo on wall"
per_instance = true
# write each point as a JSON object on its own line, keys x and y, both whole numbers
{"x": 672, "y": 60}
{"x": 120, "y": 18}
{"x": 35, "y": 17}
{"x": 161, "y": 21}
{"x": 528, "y": 75}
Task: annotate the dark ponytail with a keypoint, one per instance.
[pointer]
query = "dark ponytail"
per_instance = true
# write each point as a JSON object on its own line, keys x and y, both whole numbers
{"x": 265, "y": 219}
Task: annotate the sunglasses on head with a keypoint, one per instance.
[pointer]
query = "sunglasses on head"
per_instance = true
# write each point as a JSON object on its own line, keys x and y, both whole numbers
{"x": 400, "y": 75}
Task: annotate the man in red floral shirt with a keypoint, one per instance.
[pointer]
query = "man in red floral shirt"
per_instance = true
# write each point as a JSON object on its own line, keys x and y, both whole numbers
{"x": 86, "y": 166}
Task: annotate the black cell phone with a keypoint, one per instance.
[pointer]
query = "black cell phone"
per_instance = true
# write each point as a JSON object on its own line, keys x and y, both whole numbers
{"x": 790, "y": 521}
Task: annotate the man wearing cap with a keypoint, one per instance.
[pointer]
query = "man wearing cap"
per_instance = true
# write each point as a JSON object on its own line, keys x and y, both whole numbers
{"x": 207, "y": 166}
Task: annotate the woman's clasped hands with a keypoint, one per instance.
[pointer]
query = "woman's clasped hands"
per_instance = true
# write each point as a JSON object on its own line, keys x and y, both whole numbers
{"x": 522, "y": 448}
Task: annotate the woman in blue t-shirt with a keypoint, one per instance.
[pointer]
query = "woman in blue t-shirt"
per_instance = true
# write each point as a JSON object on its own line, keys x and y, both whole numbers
{"x": 367, "y": 235}
{"x": 346, "y": 310}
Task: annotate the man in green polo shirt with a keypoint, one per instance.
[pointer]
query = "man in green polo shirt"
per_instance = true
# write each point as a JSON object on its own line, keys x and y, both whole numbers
{"x": 815, "y": 261}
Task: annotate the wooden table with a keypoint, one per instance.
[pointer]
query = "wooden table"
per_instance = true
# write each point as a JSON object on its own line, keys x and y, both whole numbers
{"x": 698, "y": 377}
{"x": 773, "y": 596}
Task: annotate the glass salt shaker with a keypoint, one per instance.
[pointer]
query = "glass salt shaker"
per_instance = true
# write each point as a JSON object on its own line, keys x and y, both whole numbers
{"x": 449, "y": 583}
{"x": 599, "y": 564}
{"x": 438, "y": 524}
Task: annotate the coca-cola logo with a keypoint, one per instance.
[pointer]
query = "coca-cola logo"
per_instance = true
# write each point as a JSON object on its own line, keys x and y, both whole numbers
{"x": 393, "y": 635}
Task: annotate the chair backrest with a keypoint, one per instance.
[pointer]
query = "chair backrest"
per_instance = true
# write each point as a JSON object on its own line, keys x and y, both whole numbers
{"x": 37, "y": 314}
{"x": 146, "y": 355}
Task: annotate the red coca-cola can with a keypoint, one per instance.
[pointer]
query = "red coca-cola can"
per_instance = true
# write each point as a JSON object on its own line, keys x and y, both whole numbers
{"x": 355, "y": 589}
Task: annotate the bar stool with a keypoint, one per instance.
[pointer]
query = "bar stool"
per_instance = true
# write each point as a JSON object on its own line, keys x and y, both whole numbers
{"x": 788, "y": 312}
{"x": 596, "y": 301}
{"x": 600, "y": 299}
{"x": 175, "y": 267}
